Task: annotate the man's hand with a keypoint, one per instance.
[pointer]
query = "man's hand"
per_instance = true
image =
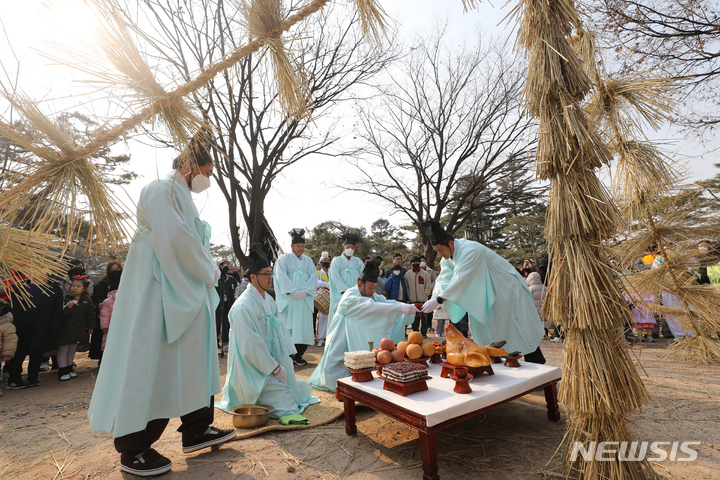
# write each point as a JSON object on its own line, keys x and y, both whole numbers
{"x": 408, "y": 309}
{"x": 281, "y": 374}
{"x": 430, "y": 305}
{"x": 298, "y": 294}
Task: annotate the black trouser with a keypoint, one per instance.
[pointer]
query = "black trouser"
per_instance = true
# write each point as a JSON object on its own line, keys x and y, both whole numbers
{"x": 423, "y": 328}
{"x": 300, "y": 351}
{"x": 194, "y": 423}
{"x": 14, "y": 366}
{"x": 96, "y": 341}
{"x": 463, "y": 325}
{"x": 222, "y": 325}
{"x": 315, "y": 315}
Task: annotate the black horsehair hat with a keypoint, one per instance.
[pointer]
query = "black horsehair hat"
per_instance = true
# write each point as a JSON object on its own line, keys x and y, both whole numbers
{"x": 435, "y": 233}
{"x": 298, "y": 236}
{"x": 370, "y": 273}
{"x": 349, "y": 238}
{"x": 257, "y": 259}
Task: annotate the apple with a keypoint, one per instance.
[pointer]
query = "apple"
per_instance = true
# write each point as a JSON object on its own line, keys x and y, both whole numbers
{"x": 397, "y": 355}
{"x": 387, "y": 344}
{"x": 384, "y": 357}
{"x": 376, "y": 350}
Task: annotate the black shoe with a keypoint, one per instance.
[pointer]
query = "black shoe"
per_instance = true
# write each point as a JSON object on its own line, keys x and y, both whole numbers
{"x": 193, "y": 443}
{"x": 148, "y": 464}
{"x": 33, "y": 383}
{"x": 19, "y": 385}
{"x": 299, "y": 362}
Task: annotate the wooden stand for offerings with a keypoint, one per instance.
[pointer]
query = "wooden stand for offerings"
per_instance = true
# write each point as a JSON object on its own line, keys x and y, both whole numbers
{"x": 449, "y": 368}
{"x": 364, "y": 375}
{"x": 405, "y": 389}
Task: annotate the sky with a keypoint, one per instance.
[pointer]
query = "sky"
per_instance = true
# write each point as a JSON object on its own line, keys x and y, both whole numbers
{"x": 305, "y": 195}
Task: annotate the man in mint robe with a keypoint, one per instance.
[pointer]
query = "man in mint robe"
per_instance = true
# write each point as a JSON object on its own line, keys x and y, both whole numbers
{"x": 361, "y": 316}
{"x": 344, "y": 272}
{"x": 475, "y": 280}
{"x": 160, "y": 360}
{"x": 295, "y": 281}
{"x": 259, "y": 367}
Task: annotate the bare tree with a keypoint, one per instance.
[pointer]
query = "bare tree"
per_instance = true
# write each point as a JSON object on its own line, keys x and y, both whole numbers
{"x": 676, "y": 37}
{"x": 260, "y": 143}
{"x": 447, "y": 127}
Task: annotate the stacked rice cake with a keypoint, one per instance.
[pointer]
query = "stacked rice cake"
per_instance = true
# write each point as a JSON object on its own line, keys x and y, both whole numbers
{"x": 405, "y": 372}
{"x": 359, "y": 360}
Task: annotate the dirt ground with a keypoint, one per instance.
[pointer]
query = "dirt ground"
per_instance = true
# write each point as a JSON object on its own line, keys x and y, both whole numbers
{"x": 44, "y": 435}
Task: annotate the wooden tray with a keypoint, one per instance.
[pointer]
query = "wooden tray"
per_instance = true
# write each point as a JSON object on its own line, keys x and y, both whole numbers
{"x": 436, "y": 359}
{"x": 405, "y": 389}
{"x": 449, "y": 368}
{"x": 364, "y": 375}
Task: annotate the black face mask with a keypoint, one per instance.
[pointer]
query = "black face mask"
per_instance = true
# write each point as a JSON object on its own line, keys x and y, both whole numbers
{"x": 326, "y": 265}
{"x": 416, "y": 265}
{"x": 114, "y": 278}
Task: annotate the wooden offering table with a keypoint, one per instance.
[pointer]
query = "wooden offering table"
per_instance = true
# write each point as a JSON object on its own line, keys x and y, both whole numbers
{"x": 439, "y": 407}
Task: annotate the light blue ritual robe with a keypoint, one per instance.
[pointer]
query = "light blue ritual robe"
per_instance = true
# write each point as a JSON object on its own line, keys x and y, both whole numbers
{"x": 499, "y": 304}
{"x": 358, "y": 320}
{"x": 259, "y": 342}
{"x": 160, "y": 360}
{"x": 291, "y": 275}
{"x": 344, "y": 274}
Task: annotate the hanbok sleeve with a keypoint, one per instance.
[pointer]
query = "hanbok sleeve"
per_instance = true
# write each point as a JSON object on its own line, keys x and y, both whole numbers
{"x": 186, "y": 267}
{"x": 251, "y": 346}
{"x": 283, "y": 283}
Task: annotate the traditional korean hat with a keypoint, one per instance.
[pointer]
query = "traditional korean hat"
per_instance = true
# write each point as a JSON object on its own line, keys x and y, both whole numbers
{"x": 257, "y": 259}
{"x": 370, "y": 273}
{"x": 349, "y": 238}
{"x": 324, "y": 255}
{"x": 435, "y": 233}
{"x": 298, "y": 236}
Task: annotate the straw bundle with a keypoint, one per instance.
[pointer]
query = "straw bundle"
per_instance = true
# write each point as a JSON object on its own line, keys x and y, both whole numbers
{"x": 51, "y": 186}
{"x": 600, "y": 387}
{"x": 264, "y": 20}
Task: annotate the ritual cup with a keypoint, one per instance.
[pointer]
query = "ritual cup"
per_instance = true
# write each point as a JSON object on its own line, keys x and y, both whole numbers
{"x": 461, "y": 372}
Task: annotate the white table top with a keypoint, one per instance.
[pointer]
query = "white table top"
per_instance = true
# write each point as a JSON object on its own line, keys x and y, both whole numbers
{"x": 439, "y": 403}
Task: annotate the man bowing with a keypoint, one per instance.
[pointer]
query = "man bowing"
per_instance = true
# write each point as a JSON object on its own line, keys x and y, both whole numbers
{"x": 295, "y": 283}
{"x": 361, "y": 316}
{"x": 475, "y": 280}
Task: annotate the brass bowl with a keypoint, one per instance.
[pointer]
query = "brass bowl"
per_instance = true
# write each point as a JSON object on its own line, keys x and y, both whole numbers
{"x": 250, "y": 416}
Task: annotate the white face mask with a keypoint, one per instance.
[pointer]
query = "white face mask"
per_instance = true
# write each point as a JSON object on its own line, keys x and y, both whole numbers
{"x": 396, "y": 272}
{"x": 200, "y": 183}
{"x": 422, "y": 264}
{"x": 703, "y": 249}
{"x": 349, "y": 252}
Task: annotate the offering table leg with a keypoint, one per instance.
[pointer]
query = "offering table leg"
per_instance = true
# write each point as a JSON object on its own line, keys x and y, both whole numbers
{"x": 551, "y": 399}
{"x": 428, "y": 451}
{"x": 350, "y": 427}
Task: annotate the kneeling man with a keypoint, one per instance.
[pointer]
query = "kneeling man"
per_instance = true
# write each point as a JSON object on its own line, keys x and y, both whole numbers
{"x": 259, "y": 366}
{"x": 361, "y": 316}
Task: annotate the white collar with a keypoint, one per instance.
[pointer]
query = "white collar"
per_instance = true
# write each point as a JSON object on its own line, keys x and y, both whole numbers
{"x": 179, "y": 177}
{"x": 251, "y": 286}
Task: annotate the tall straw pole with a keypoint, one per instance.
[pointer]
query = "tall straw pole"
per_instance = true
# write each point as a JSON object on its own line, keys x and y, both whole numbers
{"x": 600, "y": 385}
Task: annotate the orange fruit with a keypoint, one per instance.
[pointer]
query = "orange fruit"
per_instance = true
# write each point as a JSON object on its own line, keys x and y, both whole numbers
{"x": 414, "y": 351}
{"x": 427, "y": 349}
{"x": 415, "y": 337}
{"x": 402, "y": 346}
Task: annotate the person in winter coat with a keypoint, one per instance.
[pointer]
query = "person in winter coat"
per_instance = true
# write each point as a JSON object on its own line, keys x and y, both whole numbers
{"x": 8, "y": 337}
{"x": 396, "y": 287}
{"x": 105, "y": 285}
{"x": 35, "y": 321}
{"x": 538, "y": 290}
{"x": 78, "y": 322}
{"x": 106, "y": 310}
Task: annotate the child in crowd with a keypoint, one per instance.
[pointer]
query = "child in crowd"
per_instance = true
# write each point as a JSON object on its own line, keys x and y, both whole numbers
{"x": 643, "y": 318}
{"x": 77, "y": 323}
{"x": 106, "y": 310}
{"x": 8, "y": 337}
{"x": 441, "y": 315}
